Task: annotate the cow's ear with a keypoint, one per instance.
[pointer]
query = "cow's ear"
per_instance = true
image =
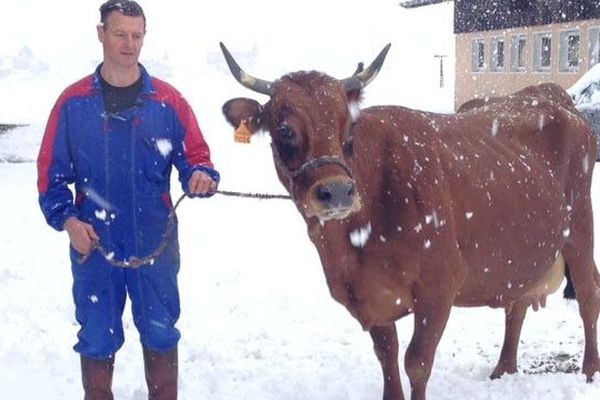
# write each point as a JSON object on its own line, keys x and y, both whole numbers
{"x": 238, "y": 109}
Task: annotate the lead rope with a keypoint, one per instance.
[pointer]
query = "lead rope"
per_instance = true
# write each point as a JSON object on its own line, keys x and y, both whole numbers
{"x": 136, "y": 262}
{"x": 261, "y": 196}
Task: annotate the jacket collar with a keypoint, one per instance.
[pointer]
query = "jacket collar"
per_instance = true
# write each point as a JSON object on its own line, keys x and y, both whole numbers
{"x": 147, "y": 86}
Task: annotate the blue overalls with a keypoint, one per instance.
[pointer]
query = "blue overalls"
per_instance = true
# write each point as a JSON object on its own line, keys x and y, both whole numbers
{"x": 120, "y": 165}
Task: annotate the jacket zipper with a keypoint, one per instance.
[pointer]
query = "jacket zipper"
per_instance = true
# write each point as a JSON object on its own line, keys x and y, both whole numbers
{"x": 134, "y": 187}
{"x": 107, "y": 171}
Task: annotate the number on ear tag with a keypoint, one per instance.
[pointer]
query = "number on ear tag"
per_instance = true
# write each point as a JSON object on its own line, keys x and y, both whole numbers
{"x": 242, "y": 134}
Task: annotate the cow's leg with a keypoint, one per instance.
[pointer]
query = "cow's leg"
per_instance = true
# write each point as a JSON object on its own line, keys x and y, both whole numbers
{"x": 431, "y": 314}
{"x": 588, "y": 298}
{"x": 507, "y": 363}
{"x": 578, "y": 254}
{"x": 385, "y": 341}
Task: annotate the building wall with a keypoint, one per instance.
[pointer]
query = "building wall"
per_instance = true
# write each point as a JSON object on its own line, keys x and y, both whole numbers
{"x": 488, "y": 83}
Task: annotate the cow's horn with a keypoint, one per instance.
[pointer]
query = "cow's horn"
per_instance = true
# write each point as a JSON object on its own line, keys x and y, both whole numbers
{"x": 252, "y": 83}
{"x": 363, "y": 78}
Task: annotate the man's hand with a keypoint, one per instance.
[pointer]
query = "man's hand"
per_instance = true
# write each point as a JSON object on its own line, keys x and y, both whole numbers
{"x": 83, "y": 236}
{"x": 201, "y": 183}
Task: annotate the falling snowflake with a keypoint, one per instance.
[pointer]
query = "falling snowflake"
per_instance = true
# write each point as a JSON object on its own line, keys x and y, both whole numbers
{"x": 360, "y": 236}
{"x": 101, "y": 215}
{"x": 495, "y": 126}
{"x": 164, "y": 146}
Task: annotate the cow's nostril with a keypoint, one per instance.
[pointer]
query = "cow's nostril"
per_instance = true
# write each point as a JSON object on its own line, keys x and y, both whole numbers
{"x": 351, "y": 190}
{"x": 324, "y": 193}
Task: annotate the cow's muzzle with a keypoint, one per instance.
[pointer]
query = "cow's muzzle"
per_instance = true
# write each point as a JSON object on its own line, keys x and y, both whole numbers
{"x": 329, "y": 198}
{"x": 334, "y": 198}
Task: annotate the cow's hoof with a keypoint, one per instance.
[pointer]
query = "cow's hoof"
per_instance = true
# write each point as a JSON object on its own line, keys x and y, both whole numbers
{"x": 501, "y": 370}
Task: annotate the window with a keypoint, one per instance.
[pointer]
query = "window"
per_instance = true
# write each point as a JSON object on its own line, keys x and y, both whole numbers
{"x": 570, "y": 43}
{"x": 518, "y": 53}
{"x": 594, "y": 46}
{"x": 542, "y": 52}
{"x": 497, "y": 56}
{"x": 546, "y": 53}
{"x": 478, "y": 55}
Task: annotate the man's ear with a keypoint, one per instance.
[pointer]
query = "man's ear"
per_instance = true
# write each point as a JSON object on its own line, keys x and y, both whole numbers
{"x": 100, "y": 32}
{"x": 248, "y": 110}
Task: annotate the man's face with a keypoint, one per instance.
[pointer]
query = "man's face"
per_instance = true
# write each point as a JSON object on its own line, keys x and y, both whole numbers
{"x": 122, "y": 38}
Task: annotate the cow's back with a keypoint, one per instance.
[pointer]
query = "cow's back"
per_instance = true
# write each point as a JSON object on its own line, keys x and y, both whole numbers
{"x": 541, "y": 120}
{"x": 502, "y": 174}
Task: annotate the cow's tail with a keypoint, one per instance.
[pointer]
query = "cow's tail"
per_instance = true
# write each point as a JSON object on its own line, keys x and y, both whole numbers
{"x": 569, "y": 291}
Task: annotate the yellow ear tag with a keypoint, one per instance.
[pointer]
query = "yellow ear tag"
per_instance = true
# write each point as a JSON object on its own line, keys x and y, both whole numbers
{"x": 242, "y": 134}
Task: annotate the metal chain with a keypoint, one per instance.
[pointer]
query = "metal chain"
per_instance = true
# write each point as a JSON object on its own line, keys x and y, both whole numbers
{"x": 135, "y": 262}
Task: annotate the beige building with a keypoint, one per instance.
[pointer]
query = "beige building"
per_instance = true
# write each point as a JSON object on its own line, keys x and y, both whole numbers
{"x": 513, "y": 44}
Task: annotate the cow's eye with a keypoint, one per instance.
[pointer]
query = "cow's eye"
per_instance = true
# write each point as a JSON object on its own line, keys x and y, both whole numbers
{"x": 349, "y": 147}
{"x": 348, "y": 140}
{"x": 286, "y": 141}
{"x": 284, "y": 132}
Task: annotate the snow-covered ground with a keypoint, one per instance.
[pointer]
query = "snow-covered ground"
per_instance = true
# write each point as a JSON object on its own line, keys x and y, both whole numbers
{"x": 257, "y": 318}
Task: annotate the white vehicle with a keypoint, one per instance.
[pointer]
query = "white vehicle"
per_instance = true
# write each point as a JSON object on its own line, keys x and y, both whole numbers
{"x": 586, "y": 96}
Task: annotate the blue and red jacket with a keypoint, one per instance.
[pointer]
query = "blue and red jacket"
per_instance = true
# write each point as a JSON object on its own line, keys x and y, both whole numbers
{"x": 120, "y": 163}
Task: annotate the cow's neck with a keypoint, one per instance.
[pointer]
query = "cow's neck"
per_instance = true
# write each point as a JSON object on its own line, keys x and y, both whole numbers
{"x": 369, "y": 258}
{"x": 356, "y": 257}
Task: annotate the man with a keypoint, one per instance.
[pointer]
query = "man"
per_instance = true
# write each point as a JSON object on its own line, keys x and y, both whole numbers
{"x": 115, "y": 135}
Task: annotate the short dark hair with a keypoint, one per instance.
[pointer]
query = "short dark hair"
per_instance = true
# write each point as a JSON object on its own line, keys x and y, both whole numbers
{"x": 129, "y": 8}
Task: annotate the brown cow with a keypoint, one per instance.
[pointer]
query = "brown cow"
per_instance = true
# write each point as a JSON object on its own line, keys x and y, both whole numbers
{"x": 414, "y": 212}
